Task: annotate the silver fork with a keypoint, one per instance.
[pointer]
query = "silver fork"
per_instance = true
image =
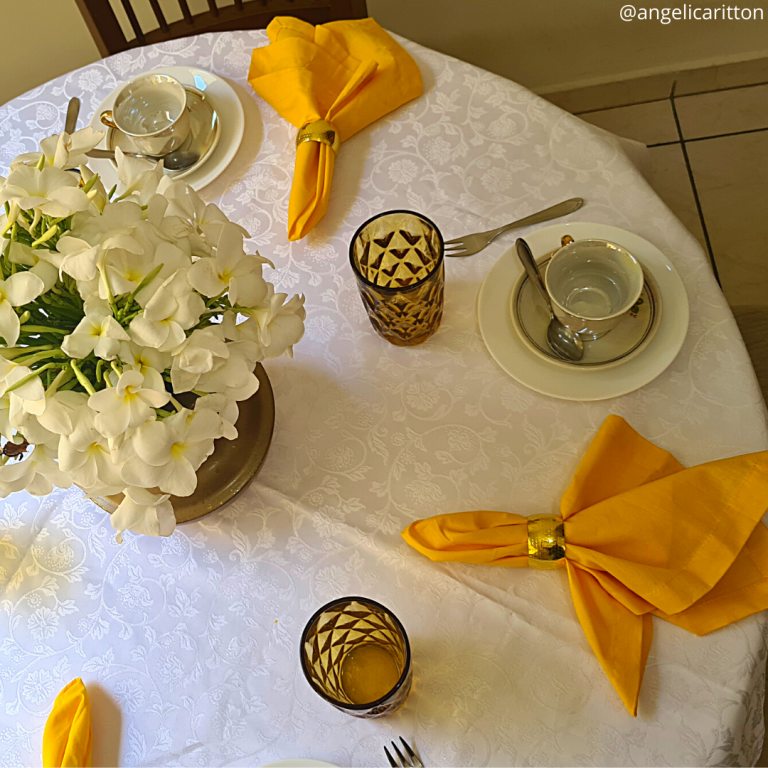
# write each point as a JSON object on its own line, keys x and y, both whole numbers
{"x": 472, "y": 244}
{"x": 412, "y": 761}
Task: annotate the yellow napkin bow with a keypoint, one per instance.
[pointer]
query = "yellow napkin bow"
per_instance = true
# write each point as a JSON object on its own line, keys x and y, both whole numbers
{"x": 67, "y": 738}
{"x": 642, "y": 536}
{"x": 346, "y": 73}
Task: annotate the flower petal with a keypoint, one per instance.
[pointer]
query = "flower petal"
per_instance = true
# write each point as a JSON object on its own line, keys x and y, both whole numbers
{"x": 21, "y": 288}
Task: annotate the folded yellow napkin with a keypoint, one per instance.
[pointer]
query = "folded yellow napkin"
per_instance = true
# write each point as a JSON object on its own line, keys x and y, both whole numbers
{"x": 348, "y": 73}
{"x": 67, "y": 737}
{"x": 639, "y": 535}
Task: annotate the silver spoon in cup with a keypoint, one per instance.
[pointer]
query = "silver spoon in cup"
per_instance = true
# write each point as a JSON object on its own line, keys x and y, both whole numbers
{"x": 564, "y": 342}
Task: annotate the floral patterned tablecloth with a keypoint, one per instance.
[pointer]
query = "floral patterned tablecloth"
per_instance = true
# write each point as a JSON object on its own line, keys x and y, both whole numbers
{"x": 189, "y": 645}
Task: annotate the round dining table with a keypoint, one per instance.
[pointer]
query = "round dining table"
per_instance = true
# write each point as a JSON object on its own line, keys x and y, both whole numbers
{"x": 189, "y": 645}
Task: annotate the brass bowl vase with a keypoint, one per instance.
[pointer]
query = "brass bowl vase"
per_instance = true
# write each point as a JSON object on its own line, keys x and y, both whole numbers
{"x": 233, "y": 463}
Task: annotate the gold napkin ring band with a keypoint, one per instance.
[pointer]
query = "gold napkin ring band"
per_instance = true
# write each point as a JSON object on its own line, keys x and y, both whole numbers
{"x": 546, "y": 542}
{"x": 322, "y": 131}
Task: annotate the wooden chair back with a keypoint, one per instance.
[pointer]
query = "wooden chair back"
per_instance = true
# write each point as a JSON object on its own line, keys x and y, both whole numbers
{"x": 243, "y": 14}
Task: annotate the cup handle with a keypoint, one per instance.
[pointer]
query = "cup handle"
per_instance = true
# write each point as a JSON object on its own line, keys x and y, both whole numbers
{"x": 107, "y": 119}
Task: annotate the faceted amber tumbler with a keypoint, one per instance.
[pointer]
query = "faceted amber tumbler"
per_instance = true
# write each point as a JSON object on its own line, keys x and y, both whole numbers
{"x": 343, "y": 627}
{"x": 397, "y": 257}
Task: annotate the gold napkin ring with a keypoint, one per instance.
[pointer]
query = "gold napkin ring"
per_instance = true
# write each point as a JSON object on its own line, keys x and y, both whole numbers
{"x": 320, "y": 130}
{"x": 546, "y": 542}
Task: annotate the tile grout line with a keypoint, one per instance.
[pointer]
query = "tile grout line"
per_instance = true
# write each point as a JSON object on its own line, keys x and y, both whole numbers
{"x": 651, "y": 101}
{"x": 725, "y": 135}
{"x": 693, "y": 185}
{"x": 707, "y": 138}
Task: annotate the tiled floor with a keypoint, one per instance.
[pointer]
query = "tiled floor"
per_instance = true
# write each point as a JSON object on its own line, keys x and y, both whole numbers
{"x": 709, "y": 152}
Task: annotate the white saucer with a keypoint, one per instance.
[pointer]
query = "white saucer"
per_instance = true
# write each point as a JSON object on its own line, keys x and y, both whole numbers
{"x": 571, "y": 383}
{"x": 230, "y": 112}
{"x": 628, "y": 339}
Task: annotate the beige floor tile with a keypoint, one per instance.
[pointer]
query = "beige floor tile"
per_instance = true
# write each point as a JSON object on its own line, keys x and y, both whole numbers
{"x": 673, "y": 185}
{"x": 722, "y": 76}
{"x": 731, "y": 175}
{"x": 651, "y": 123}
{"x": 611, "y": 95}
{"x": 712, "y": 114}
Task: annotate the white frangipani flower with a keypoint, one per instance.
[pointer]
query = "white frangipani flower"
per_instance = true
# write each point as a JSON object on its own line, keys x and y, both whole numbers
{"x": 274, "y": 325}
{"x": 207, "y": 220}
{"x": 97, "y": 332}
{"x": 139, "y": 178}
{"x": 36, "y": 473}
{"x": 19, "y": 289}
{"x": 167, "y": 453}
{"x": 42, "y": 262}
{"x": 231, "y": 271}
{"x": 119, "y": 218}
{"x": 63, "y": 150}
{"x": 128, "y": 403}
{"x": 85, "y": 454}
{"x": 144, "y": 359}
{"x": 44, "y": 419}
{"x": 203, "y": 350}
{"x": 173, "y": 309}
{"x": 227, "y": 410}
{"x": 234, "y": 378}
{"x": 143, "y": 512}
{"x": 53, "y": 191}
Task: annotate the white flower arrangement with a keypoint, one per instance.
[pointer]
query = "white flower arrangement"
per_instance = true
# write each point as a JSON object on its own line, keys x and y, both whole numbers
{"x": 111, "y": 305}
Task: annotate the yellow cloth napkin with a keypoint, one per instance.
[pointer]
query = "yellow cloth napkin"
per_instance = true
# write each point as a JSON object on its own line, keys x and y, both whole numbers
{"x": 67, "y": 737}
{"x": 643, "y": 536}
{"x": 349, "y": 73}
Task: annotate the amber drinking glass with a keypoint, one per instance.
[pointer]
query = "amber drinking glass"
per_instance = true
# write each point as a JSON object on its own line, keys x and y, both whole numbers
{"x": 356, "y": 655}
{"x": 397, "y": 257}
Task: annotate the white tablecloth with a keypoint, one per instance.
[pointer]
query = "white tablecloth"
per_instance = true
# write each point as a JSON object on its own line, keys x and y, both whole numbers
{"x": 189, "y": 645}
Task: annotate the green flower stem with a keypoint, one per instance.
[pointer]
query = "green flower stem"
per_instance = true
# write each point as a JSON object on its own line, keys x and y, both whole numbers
{"x": 116, "y": 368}
{"x": 44, "y": 329}
{"x": 81, "y": 377}
{"x": 176, "y": 404}
{"x": 108, "y": 288}
{"x": 47, "y": 236}
{"x": 99, "y": 366}
{"x": 36, "y": 358}
{"x": 29, "y": 377}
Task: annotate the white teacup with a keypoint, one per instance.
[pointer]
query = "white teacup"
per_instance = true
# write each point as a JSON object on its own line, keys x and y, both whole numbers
{"x": 152, "y": 111}
{"x": 593, "y": 284}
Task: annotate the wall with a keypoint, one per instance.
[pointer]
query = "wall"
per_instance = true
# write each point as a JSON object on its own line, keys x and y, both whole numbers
{"x": 548, "y": 45}
{"x": 40, "y": 40}
{"x": 553, "y": 45}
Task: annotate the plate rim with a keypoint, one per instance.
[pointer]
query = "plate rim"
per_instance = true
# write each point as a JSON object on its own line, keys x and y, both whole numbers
{"x": 519, "y": 362}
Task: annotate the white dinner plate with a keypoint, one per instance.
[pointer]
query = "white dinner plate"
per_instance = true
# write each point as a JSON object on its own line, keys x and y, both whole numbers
{"x": 581, "y": 384}
{"x": 228, "y": 107}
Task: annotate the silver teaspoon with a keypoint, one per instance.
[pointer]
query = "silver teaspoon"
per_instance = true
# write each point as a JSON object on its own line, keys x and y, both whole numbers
{"x": 173, "y": 161}
{"x": 562, "y": 341}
